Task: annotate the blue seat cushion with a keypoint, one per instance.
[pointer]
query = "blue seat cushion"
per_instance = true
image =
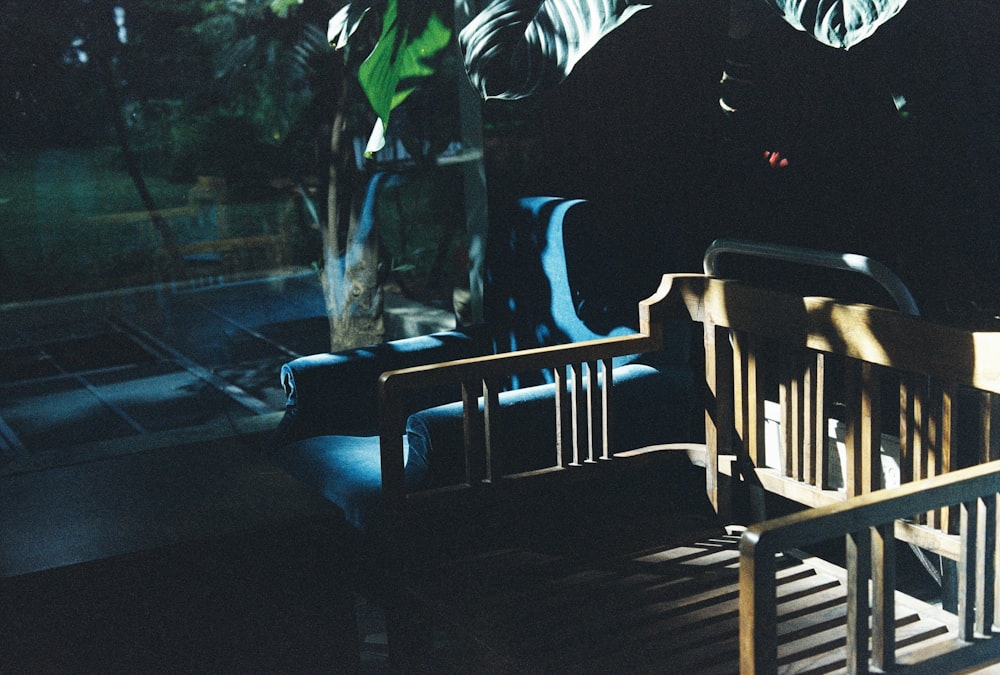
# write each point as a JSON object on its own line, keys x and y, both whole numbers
{"x": 347, "y": 471}
{"x": 650, "y": 406}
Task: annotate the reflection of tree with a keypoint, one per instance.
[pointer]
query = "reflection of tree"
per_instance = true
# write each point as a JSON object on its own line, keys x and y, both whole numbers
{"x": 111, "y": 53}
{"x": 351, "y": 285}
{"x": 387, "y": 52}
{"x": 256, "y": 114}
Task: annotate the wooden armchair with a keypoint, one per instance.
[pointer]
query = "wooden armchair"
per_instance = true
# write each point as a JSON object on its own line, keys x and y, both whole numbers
{"x": 848, "y": 383}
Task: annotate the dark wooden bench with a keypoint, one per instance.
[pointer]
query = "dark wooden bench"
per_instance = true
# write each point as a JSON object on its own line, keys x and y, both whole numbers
{"x": 804, "y": 397}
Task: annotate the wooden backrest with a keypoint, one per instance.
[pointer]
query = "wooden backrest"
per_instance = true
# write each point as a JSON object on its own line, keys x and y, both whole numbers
{"x": 782, "y": 374}
{"x": 584, "y": 405}
{"x": 792, "y": 382}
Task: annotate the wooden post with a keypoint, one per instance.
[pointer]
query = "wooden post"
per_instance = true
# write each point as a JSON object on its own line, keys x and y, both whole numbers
{"x": 758, "y": 608}
{"x": 884, "y": 596}
{"x": 858, "y": 575}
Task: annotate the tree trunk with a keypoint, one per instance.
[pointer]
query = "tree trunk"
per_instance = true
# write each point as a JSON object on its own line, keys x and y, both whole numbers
{"x": 350, "y": 276}
{"x": 160, "y": 223}
{"x": 112, "y": 53}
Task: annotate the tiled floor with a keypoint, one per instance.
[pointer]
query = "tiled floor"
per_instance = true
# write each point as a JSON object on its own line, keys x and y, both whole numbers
{"x": 131, "y": 365}
{"x": 132, "y": 422}
{"x": 139, "y": 501}
{"x": 131, "y": 431}
{"x": 264, "y": 593}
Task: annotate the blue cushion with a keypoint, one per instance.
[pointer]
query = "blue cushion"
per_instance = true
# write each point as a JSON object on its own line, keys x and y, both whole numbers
{"x": 650, "y": 406}
{"x": 347, "y": 471}
{"x": 530, "y": 297}
{"x": 338, "y": 393}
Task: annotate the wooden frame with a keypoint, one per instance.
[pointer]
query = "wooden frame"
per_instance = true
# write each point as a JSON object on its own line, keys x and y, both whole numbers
{"x": 821, "y": 361}
{"x": 867, "y": 522}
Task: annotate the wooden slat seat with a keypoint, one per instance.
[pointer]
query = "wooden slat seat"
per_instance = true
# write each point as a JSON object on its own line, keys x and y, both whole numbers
{"x": 676, "y": 607}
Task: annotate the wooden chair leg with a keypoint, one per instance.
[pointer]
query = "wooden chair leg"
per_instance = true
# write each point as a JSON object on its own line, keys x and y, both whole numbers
{"x": 410, "y": 633}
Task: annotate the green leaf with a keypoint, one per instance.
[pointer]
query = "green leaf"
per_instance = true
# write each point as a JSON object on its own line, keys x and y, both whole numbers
{"x": 345, "y": 23}
{"x": 387, "y": 75}
{"x": 281, "y": 7}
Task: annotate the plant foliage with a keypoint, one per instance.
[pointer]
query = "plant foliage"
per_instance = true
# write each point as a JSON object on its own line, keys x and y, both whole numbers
{"x": 514, "y": 48}
{"x": 412, "y": 38}
{"x": 838, "y": 23}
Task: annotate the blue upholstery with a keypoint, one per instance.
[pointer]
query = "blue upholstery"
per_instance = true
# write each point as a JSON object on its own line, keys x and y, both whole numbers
{"x": 553, "y": 275}
{"x": 338, "y": 393}
{"x": 346, "y": 470}
{"x": 434, "y": 436}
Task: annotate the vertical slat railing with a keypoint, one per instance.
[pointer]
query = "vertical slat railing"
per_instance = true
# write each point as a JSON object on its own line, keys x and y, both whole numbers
{"x": 749, "y": 395}
{"x": 986, "y": 558}
{"x": 790, "y": 418}
{"x": 987, "y": 451}
{"x": 934, "y": 421}
{"x": 578, "y": 414}
{"x": 908, "y": 425}
{"x": 720, "y": 413}
{"x": 949, "y": 519}
{"x": 863, "y": 438}
{"x": 607, "y": 408}
{"x": 969, "y": 516}
{"x": 472, "y": 432}
{"x": 491, "y": 428}
{"x": 595, "y": 416}
{"x": 564, "y": 440}
{"x": 583, "y": 412}
{"x": 993, "y": 561}
{"x": 819, "y": 417}
{"x": 739, "y": 368}
{"x": 920, "y": 451}
{"x": 803, "y": 422}
{"x": 883, "y": 596}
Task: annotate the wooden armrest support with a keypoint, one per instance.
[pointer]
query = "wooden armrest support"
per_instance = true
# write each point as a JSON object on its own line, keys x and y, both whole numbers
{"x": 480, "y": 377}
{"x": 974, "y": 488}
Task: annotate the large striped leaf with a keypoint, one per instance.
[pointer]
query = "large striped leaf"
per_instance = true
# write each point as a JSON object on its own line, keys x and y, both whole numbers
{"x": 516, "y": 47}
{"x": 838, "y": 23}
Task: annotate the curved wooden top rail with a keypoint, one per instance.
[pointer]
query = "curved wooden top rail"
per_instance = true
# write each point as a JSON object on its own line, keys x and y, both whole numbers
{"x": 880, "y": 336}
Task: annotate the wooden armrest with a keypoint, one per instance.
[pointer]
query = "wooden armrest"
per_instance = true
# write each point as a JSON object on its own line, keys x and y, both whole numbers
{"x": 855, "y": 518}
{"x": 481, "y": 377}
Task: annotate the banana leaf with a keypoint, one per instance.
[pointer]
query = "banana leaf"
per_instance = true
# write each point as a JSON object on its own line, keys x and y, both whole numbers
{"x": 404, "y": 54}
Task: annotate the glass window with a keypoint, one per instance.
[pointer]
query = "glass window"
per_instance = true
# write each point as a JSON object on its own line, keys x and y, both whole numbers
{"x": 164, "y": 184}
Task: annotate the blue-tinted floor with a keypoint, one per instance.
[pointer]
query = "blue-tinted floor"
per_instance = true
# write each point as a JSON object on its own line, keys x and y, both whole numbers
{"x": 139, "y": 521}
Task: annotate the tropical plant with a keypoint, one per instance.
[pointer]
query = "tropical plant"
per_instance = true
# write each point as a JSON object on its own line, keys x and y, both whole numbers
{"x": 248, "y": 120}
{"x": 388, "y": 47}
{"x": 514, "y": 48}
{"x": 409, "y": 43}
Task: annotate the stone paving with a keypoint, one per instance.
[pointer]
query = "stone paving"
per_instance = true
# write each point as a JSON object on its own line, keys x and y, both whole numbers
{"x": 102, "y": 376}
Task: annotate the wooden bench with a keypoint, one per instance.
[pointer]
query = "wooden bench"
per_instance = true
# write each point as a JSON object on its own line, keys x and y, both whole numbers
{"x": 846, "y": 381}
